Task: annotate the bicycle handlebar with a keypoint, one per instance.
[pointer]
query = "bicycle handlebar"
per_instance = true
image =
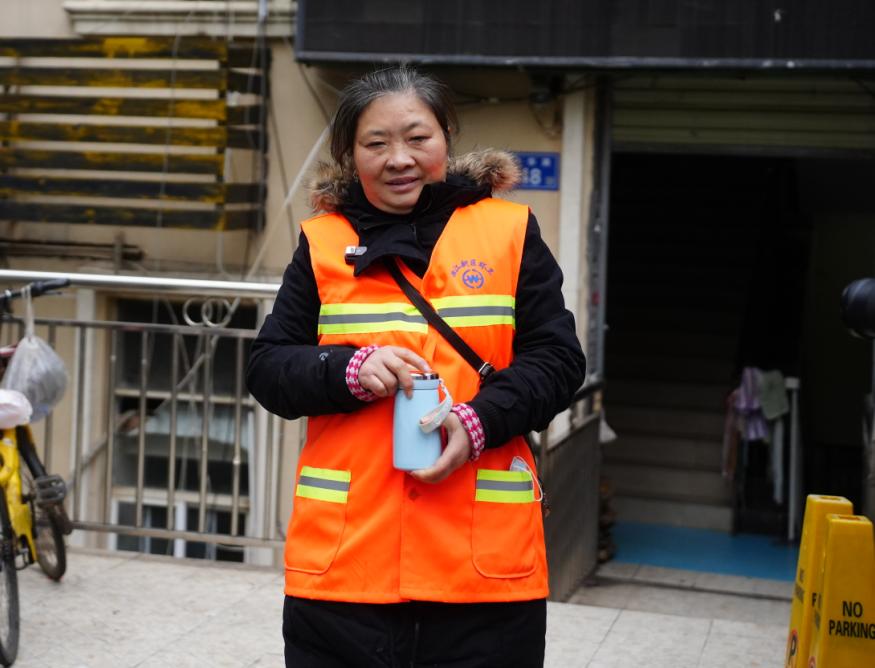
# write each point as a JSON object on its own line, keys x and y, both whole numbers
{"x": 858, "y": 307}
{"x": 37, "y": 289}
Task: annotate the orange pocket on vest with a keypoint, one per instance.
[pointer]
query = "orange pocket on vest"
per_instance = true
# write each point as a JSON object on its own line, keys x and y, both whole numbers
{"x": 504, "y": 525}
{"x": 318, "y": 519}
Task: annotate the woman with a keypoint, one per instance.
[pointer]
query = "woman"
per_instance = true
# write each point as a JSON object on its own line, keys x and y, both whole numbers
{"x": 445, "y": 565}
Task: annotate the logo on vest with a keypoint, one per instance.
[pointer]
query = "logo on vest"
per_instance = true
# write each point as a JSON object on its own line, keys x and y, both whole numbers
{"x": 473, "y": 273}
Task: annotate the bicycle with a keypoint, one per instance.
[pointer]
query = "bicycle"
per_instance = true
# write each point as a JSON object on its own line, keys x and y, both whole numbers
{"x": 33, "y": 521}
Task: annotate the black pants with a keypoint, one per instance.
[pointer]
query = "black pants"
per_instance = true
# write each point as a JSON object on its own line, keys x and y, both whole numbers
{"x": 325, "y": 634}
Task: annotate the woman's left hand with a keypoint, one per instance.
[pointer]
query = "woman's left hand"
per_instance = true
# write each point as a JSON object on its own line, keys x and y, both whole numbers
{"x": 457, "y": 452}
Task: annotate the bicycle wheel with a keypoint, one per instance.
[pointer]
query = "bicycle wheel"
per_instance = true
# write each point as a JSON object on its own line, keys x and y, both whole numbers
{"x": 9, "y": 620}
{"x": 51, "y": 552}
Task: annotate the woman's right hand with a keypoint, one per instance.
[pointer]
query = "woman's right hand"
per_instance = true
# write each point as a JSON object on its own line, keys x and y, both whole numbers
{"x": 388, "y": 368}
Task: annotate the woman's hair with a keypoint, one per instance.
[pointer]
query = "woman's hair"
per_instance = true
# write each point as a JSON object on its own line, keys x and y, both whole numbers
{"x": 358, "y": 94}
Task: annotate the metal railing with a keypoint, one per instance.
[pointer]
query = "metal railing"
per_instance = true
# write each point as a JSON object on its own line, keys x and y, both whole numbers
{"x": 170, "y": 427}
{"x": 110, "y": 463}
{"x": 148, "y": 284}
{"x": 570, "y": 468}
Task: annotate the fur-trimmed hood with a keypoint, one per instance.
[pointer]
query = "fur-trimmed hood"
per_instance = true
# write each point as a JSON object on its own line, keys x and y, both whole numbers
{"x": 500, "y": 170}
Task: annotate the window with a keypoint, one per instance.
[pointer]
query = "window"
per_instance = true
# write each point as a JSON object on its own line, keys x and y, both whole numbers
{"x": 207, "y": 378}
{"x": 172, "y": 17}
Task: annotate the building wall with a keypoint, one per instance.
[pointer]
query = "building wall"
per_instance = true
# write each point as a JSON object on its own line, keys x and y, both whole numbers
{"x": 506, "y": 120}
{"x": 495, "y": 112}
{"x": 506, "y": 123}
{"x": 34, "y": 18}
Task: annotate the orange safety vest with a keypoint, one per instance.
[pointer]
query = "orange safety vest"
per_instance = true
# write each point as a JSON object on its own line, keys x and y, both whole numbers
{"x": 365, "y": 532}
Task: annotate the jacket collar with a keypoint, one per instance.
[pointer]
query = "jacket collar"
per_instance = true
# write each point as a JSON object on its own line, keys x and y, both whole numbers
{"x": 470, "y": 178}
{"x": 412, "y": 235}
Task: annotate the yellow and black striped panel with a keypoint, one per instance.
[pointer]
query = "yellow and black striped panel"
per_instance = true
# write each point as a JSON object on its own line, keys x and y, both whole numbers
{"x": 504, "y": 486}
{"x": 458, "y": 311}
{"x": 476, "y": 310}
{"x": 323, "y": 484}
{"x": 368, "y": 318}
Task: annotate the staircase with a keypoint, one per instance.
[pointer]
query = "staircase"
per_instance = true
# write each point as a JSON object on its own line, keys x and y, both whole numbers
{"x": 683, "y": 244}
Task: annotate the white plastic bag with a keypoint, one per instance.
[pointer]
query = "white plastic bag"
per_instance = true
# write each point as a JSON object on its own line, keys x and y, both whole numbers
{"x": 15, "y": 409}
{"x": 35, "y": 369}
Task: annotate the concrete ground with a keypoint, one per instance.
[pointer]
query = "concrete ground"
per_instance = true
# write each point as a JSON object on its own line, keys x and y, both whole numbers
{"x": 123, "y": 610}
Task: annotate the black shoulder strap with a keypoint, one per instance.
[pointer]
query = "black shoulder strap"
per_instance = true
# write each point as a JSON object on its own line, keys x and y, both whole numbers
{"x": 482, "y": 367}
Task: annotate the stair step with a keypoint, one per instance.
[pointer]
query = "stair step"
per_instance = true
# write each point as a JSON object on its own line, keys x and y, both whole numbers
{"x": 659, "y": 251}
{"x": 696, "y": 186}
{"x": 649, "y": 367}
{"x": 690, "y": 232}
{"x": 714, "y": 345}
{"x": 629, "y": 270}
{"x": 661, "y": 482}
{"x": 666, "y": 422}
{"x": 691, "y": 296}
{"x": 673, "y": 316}
{"x": 681, "y": 453}
{"x": 656, "y": 511}
{"x": 691, "y": 179}
{"x": 666, "y": 394}
{"x": 656, "y": 260}
{"x": 705, "y": 212}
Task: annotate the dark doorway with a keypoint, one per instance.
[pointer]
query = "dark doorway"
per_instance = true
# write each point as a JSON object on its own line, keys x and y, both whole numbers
{"x": 717, "y": 263}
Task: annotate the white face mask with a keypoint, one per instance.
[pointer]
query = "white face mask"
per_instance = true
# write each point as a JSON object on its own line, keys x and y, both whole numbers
{"x": 519, "y": 464}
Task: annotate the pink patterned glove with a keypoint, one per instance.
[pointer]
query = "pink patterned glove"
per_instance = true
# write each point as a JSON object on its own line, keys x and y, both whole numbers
{"x": 352, "y": 374}
{"x": 473, "y": 426}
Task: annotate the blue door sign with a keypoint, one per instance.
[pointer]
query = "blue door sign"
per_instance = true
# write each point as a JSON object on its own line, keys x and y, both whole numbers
{"x": 540, "y": 170}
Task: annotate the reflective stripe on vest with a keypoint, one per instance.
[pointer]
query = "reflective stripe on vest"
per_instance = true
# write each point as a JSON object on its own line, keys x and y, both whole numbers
{"x": 459, "y": 311}
{"x": 323, "y": 484}
{"x": 364, "y": 318}
{"x": 504, "y": 486}
{"x": 476, "y": 310}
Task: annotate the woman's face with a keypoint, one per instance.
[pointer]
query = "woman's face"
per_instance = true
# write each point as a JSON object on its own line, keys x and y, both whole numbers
{"x": 399, "y": 147}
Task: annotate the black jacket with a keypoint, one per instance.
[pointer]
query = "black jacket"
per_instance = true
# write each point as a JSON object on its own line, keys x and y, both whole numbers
{"x": 291, "y": 376}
